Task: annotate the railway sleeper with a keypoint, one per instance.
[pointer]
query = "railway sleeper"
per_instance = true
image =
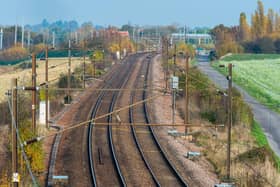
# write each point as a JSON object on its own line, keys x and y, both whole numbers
{"x": 100, "y": 156}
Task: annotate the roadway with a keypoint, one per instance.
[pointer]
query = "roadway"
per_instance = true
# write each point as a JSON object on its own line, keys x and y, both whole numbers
{"x": 268, "y": 119}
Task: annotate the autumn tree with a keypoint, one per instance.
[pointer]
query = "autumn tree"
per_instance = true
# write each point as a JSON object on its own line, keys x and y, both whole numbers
{"x": 244, "y": 27}
{"x": 262, "y": 18}
{"x": 277, "y": 22}
{"x": 270, "y": 21}
{"x": 183, "y": 48}
{"x": 255, "y": 26}
{"x": 259, "y": 22}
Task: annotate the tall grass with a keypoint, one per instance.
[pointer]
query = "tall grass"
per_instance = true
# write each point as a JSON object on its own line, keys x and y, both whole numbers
{"x": 262, "y": 141}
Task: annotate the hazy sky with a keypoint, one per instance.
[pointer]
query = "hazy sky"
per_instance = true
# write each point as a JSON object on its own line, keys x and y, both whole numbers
{"x": 118, "y": 12}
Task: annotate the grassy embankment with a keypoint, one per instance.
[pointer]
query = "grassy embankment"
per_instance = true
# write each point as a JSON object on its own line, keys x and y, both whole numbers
{"x": 250, "y": 150}
{"x": 259, "y": 75}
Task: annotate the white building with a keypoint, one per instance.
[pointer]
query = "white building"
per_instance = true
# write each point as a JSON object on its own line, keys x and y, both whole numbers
{"x": 197, "y": 39}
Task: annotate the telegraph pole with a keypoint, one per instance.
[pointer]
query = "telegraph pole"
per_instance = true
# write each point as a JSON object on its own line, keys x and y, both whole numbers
{"x": 187, "y": 97}
{"x": 14, "y": 135}
{"x": 84, "y": 65}
{"x": 229, "y": 119}
{"x": 47, "y": 86}
{"x": 34, "y": 93}
{"x": 69, "y": 72}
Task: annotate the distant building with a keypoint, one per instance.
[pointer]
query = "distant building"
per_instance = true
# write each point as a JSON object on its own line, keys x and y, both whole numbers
{"x": 196, "y": 39}
{"x": 124, "y": 34}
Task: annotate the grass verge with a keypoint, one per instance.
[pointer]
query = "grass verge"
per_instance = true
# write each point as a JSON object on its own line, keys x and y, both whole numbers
{"x": 262, "y": 141}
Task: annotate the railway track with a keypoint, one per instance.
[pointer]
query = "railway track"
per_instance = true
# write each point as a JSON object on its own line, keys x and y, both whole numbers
{"x": 103, "y": 162}
{"x": 145, "y": 163}
{"x": 159, "y": 166}
{"x": 91, "y": 126}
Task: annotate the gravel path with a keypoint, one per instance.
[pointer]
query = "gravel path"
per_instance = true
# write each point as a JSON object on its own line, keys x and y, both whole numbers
{"x": 268, "y": 119}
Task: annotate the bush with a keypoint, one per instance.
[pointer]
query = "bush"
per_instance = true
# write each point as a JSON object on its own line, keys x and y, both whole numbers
{"x": 229, "y": 47}
{"x": 211, "y": 116}
{"x": 266, "y": 45}
{"x": 277, "y": 46}
{"x": 262, "y": 45}
{"x": 213, "y": 55}
{"x": 74, "y": 81}
{"x": 5, "y": 114}
{"x": 34, "y": 151}
{"x": 13, "y": 55}
{"x": 212, "y": 106}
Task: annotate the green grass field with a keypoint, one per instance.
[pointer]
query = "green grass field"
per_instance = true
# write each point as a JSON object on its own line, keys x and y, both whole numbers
{"x": 260, "y": 78}
{"x": 244, "y": 57}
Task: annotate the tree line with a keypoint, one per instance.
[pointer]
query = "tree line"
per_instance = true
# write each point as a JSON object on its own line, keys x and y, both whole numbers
{"x": 261, "y": 36}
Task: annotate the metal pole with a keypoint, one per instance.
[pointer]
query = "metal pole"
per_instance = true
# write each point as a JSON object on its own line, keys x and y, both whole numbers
{"x": 28, "y": 40}
{"x": 14, "y": 134}
{"x": 47, "y": 85}
{"x": 174, "y": 90}
{"x": 84, "y": 66}
{"x": 187, "y": 94}
{"x": 1, "y": 39}
{"x": 69, "y": 72}
{"x": 34, "y": 93}
{"x": 167, "y": 65}
{"x": 94, "y": 67}
{"x": 22, "y": 37}
{"x": 163, "y": 56}
{"x": 185, "y": 33}
{"x": 174, "y": 106}
{"x": 53, "y": 40}
{"x": 229, "y": 119}
{"x": 174, "y": 60}
{"x": 16, "y": 34}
